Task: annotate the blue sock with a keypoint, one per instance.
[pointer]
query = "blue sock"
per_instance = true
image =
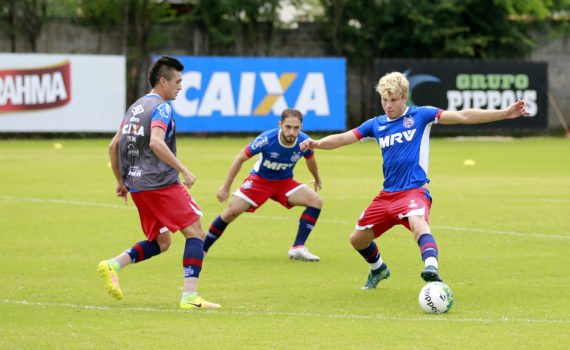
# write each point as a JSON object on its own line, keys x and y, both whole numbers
{"x": 143, "y": 250}
{"x": 193, "y": 257}
{"x": 428, "y": 247}
{"x": 306, "y": 223}
{"x": 371, "y": 253}
{"x": 216, "y": 229}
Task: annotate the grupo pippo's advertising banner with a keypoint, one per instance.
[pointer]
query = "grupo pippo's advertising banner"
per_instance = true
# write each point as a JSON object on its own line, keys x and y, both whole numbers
{"x": 456, "y": 85}
{"x": 223, "y": 94}
{"x": 61, "y": 93}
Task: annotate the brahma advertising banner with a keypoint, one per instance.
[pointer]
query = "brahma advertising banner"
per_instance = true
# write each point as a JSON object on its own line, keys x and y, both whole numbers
{"x": 61, "y": 93}
{"x": 227, "y": 94}
{"x": 456, "y": 85}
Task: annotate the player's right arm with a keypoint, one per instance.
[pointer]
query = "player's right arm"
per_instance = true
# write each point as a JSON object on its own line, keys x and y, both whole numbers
{"x": 121, "y": 190}
{"x": 161, "y": 150}
{"x": 330, "y": 142}
{"x": 224, "y": 191}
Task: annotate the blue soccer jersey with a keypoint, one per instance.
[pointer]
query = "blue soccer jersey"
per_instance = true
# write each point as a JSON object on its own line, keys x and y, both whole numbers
{"x": 404, "y": 142}
{"x": 276, "y": 161}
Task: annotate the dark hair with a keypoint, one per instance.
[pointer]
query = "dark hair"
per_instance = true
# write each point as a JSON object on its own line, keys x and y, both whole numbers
{"x": 290, "y": 112}
{"x": 163, "y": 67}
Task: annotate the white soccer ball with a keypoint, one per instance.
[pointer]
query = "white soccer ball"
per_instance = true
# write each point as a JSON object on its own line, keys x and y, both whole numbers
{"x": 436, "y": 298}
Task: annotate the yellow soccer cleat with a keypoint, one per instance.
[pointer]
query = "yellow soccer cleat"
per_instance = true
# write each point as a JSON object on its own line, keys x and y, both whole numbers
{"x": 194, "y": 302}
{"x": 111, "y": 278}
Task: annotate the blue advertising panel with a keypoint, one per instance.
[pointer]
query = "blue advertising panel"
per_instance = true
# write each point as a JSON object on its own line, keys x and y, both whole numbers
{"x": 237, "y": 94}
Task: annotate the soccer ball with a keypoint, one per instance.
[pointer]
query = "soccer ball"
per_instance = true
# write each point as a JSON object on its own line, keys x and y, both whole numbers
{"x": 436, "y": 298}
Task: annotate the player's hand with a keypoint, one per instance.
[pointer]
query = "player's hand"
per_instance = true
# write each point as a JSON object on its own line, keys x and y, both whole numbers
{"x": 317, "y": 184}
{"x": 308, "y": 144}
{"x": 223, "y": 194}
{"x": 188, "y": 178}
{"x": 517, "y": 109}
{"x": 122, "y": 192}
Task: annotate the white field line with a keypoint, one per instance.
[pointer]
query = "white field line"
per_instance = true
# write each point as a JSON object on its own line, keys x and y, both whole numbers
{"x": 275, "y": 217}
{"x": 261, "y": 313}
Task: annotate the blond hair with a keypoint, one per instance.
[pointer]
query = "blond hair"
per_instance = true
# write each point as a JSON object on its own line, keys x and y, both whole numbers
{"x": 393, "y": 84}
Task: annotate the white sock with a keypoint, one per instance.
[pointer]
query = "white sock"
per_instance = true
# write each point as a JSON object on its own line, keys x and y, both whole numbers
{"x": 431, "y": 261}
{"x": 376, "y": 265}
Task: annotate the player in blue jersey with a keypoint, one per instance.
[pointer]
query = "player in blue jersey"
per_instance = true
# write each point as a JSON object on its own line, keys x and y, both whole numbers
{"x": 143, "y": 158}
{"x": 403, "y": 135}
{"x": 272, "y": 177}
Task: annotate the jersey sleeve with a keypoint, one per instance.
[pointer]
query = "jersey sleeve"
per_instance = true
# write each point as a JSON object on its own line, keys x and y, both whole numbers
{"x": 365, "y": 130}
{"x": 431, "y": 114}
{"x": 161, "y": 116}
{"x": 257, "y": 145}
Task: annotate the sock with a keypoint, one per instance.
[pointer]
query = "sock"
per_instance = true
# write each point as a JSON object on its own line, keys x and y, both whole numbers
{"x": 428, "y": 248}
{"x": 372, "y": 256}
{"x": 193, "y": 257}
{"x": 216, "y": 229}
{"x": 143, "y": 250}
{"x": 114, "y": 264}
{"x": 306, "y": 223}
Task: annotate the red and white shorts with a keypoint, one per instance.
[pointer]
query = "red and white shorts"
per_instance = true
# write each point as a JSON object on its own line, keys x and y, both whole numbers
{"x": 167, "y": 209}
{"x": 256, "y": 190}
{"x": 393, "y": 208}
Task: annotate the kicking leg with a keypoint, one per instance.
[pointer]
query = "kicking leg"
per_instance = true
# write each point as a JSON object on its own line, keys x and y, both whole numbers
{"x": 363, "y": 242}
{"x": 108, "y": 270}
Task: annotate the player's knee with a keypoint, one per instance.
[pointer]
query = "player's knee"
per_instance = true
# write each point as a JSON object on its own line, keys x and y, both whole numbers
{"x": 317, "y": 202}
{"x": 163, "y": 244}
{"x": 313, "y": 201}
{"x": 361, "y": 239}
{"x": 232, "y": 212}
{"x": 229, "y": 215}
{"x": 353, "y": 239}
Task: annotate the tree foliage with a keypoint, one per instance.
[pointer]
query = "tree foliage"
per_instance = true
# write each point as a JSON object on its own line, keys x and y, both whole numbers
{"x": 237, "y": 22}
{"x": 363, "y": 30}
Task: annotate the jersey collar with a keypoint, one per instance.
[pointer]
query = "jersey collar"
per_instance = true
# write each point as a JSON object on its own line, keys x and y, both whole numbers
{"x": 281, "y": 143}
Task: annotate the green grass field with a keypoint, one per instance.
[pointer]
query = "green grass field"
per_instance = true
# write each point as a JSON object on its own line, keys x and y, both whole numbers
{"x": 501, "y": 226}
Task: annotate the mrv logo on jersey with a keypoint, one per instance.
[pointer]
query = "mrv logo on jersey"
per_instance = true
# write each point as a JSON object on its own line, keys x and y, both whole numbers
{"x": 226, "y": 94}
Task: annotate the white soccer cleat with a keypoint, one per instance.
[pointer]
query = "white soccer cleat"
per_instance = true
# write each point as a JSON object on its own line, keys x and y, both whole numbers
{"x": 301, "y": 253}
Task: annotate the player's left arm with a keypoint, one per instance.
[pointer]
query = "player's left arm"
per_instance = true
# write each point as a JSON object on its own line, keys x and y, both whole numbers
{"x": 161, "y": 150}
{"x": 314, "y": 169}
{"x": 480, "y": 116}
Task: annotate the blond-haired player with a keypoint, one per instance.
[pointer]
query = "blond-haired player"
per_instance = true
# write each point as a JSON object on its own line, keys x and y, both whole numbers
{"x": 403, "y": 136}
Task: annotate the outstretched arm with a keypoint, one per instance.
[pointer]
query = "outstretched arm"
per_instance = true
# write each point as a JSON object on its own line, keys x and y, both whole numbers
{"x": 313, "y": 168}
{"x": 479, "y": 116}
{"x": 224, "y": 191}
{"x": 330, "y": 142}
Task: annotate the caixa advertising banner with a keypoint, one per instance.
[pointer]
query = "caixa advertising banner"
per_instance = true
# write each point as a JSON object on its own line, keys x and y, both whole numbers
{"x": 225, "y": 94}
{"x": 462, "y": 84}
{"x": 61, "y": 93}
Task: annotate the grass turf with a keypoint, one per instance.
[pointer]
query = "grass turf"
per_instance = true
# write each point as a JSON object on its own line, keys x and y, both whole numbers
{"x": 501, "y": 226}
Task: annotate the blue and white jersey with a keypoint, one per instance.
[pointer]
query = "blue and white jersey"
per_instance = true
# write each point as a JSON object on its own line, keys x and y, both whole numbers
{"x": 404, "y": 142}
{"x": 276, "y": 161}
